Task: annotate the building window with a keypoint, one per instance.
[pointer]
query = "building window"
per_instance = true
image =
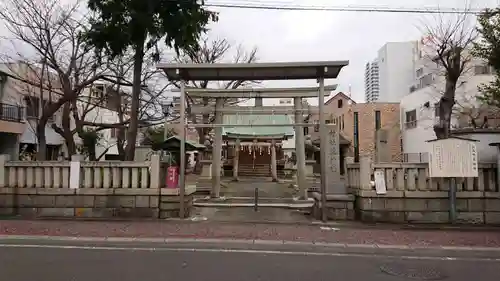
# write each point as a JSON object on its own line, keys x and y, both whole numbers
{"x": 342, "y": 122}
{"x": 340, "y": 103}
{"x": 437, "y": 119}
{"x": 482, "y": 69}
{"x": 33, "y": 107}
{"x": 356, "y": 137}
{"x": 316, "y": 125}
{"x": 413, "y": 88}
{"x": 377, "y": 120}
{"x": 426, "y": 80}
{"x": 306, "y": 131}
{"x": 419, "y": 72}
{"x": 411, "y": 119}
{"x": 98, "y": 92}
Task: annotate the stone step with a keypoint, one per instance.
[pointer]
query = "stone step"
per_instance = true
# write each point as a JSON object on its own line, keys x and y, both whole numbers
{"x": 257, "y": 170}
{"x": 250, "y": 202}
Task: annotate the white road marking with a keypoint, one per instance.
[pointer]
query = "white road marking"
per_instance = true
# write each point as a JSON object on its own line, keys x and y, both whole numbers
{"x": 242, "y": 251}
{"x": 329, "y": 228}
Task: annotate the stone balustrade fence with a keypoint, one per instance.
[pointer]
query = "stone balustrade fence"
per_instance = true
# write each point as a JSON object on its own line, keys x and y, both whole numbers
{"x": 88, "y": 189}
{"x": 413, "y": 197}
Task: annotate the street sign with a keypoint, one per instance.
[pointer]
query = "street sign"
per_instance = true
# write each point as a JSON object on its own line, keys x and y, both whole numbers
{"x": 453, "y": 158}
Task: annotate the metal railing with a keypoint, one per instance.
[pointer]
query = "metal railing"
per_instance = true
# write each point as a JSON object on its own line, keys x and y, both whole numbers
{"x": 422, "y": 157}
{"x": 12, "y": 113}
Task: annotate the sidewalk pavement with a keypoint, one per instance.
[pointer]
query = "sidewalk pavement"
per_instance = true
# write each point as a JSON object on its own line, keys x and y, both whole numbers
{"x": 252, "y": 231}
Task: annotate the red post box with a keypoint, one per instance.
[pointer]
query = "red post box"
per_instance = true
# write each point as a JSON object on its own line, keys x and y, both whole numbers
{"x": 172, "y": 177}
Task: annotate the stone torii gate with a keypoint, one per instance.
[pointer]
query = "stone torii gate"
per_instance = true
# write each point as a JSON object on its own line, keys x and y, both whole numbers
{"x": 258, "y": 94}
{"x": 258, "y": 72}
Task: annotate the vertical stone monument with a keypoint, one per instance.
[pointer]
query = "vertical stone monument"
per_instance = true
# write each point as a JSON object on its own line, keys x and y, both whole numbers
{"x": 339, "y": 205}
{"x": 335, "y": 185}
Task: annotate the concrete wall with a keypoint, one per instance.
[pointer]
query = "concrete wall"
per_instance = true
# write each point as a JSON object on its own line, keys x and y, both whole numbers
{"x": 337, "y": 207}
{"x": 427, "y": 207}
{"x": 92, "y": 203}
{"x": 12, "y": 127}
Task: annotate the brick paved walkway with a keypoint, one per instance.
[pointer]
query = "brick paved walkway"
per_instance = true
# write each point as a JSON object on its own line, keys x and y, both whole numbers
{"x": 303, "y": 233}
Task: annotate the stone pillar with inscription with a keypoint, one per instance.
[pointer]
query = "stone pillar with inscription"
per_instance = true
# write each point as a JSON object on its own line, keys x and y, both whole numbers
{"x": 236, "y": 159}
{"x": 217, "y": 150}
{"x": 334, "y": 183}
{"x": 274, "y": 168}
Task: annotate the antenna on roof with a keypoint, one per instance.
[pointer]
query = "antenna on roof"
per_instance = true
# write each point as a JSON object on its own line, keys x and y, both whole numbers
{"x": 349, "y": 94}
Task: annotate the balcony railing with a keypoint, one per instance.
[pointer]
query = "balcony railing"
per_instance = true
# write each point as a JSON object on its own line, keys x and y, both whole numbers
{"x": 12, "y": 113}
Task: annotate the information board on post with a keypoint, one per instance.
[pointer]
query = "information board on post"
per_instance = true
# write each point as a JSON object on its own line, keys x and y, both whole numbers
{"x": 453, "y": 158}
{"x": 380, "y": 187}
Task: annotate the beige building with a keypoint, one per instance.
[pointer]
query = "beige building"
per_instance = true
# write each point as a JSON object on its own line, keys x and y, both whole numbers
{"x": 358, "y": 123}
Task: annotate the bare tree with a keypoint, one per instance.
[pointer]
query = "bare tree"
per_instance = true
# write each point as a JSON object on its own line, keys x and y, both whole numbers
{"x": 153, "y": 94}
{"x": 448, "y": 46}
{"x": 468, "y": 110}
{"x": 47, "y": 31}
{"x": 471, "y": 112}
{"x": 215, "y": 51}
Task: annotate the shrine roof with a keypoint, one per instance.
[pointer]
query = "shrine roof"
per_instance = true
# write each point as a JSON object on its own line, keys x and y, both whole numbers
{"x": 278, "y": 132}
{"x": 173, "y": 143}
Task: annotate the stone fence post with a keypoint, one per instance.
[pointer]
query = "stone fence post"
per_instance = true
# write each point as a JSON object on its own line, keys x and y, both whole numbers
{"x": 365, "y": 173}
{"x": 155, "y": 171}
{"x": 75, "y": 172}
{"x": 3, "y": 171}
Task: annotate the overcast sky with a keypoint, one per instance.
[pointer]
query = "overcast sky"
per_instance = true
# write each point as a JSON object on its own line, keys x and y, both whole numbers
{"x": 326, "y": 35}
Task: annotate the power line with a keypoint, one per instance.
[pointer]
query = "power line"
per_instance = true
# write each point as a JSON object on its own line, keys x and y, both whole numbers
{"x": 352, "y": 8}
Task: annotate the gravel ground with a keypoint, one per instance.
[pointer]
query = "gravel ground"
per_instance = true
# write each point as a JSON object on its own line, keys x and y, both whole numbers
{"x": 304, "y": 233}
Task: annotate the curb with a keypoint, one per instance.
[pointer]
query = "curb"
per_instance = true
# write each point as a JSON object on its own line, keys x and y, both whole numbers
{"x": 228, "y": 242}
{"x": 341, "y": 224}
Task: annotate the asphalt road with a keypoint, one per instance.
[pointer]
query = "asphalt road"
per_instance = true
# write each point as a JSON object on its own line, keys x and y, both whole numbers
{"x": 133, "y": 262}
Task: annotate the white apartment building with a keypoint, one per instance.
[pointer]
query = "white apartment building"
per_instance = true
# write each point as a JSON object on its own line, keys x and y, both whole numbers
{"x": 388, "y": 76}
{"x": 372, "y": 82}
{"x": 418, "y": 109}
{"x": 100, "y": 104}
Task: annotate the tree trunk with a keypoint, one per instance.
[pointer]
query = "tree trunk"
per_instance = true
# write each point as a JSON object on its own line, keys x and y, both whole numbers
{"x": 120, "y": 143}
{"x": 201, "y": 135}
{"x": 443, "y": 125}
{"x": 92, "y": 153}
{"x": 136, "y": 93}
{"x": 66, "y": 128}
{"x": 41, "y": 154}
